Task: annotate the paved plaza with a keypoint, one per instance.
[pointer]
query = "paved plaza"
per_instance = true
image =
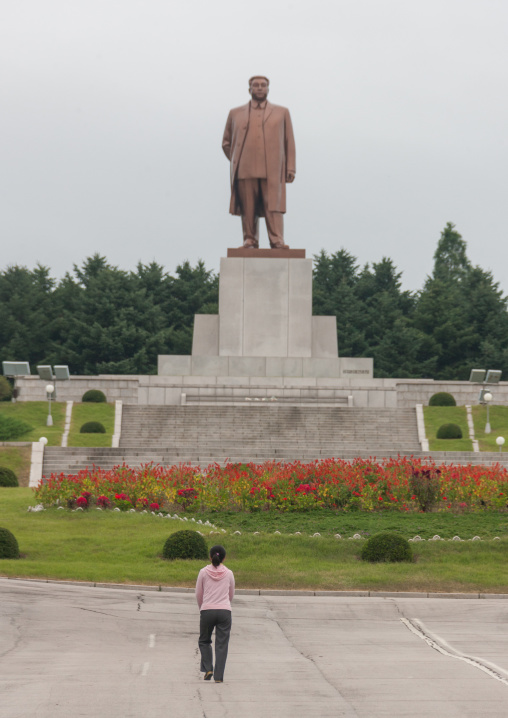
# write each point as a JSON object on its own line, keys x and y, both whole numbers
{"x": 68, "y": 651}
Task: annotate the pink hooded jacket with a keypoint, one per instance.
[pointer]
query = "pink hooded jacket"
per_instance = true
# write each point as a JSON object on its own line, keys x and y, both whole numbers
{"x": 215, "y": 587}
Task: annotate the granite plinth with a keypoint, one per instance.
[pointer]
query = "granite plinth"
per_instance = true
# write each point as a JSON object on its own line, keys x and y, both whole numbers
{"x": 252, "y": 366}
{"x": 265, "y": 310}
{"x": 324, "y": 337}
{"x": 205, "y": 338}
{"x": 265, "y": 307}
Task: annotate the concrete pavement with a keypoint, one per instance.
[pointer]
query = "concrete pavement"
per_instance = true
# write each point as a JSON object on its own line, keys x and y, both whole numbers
{"x": 81, "y": 651}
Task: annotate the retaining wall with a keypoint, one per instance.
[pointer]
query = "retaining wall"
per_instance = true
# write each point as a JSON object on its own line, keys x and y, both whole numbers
{"x": 154, "y": 389}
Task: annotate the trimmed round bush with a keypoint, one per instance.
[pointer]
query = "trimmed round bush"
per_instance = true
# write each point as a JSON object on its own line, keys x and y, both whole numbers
{"x": 185, "y": 544}
{"x": 5, "y": 389}
{"x": 94, "y": 395}
{"x": 8, "y": 545}
{"x": 449, "y": 431}
{"x": 8, "y": 477}
{"x": 11, "y": 428}
{"x": 387, "y": 546}
{"x": 92, "y": 427}
{"x": 442, "y": 398}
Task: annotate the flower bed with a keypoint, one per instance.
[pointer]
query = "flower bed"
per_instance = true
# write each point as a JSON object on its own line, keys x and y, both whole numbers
{"x": 403, "y": 484}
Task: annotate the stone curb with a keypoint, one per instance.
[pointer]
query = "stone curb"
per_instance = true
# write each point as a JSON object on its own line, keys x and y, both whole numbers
{"x": 266, "y": 592}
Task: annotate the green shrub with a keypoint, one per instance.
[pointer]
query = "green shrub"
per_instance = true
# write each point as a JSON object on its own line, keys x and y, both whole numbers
{"x": 92, "y": 427}
{"x": 94, "y": 395}
{"x": 11, "y": 428}
{"x": 425, "y": 487}
{"x": 5, "y": 389}
{"x": 8, "y": 477}
{"x": 449, "y": 431}
{"x": 185, "y": 544}
{"x": 442, "y": 398}
{"x": 8, "y": 545}
{"x": 387, "y": 546}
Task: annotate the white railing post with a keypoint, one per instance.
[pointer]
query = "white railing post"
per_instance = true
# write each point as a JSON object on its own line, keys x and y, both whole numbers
{"x": 117, "y": 432}
{"x": 422, "y": 437}
{"x": 67, "y": 427}
{"x": 36, "y": 463}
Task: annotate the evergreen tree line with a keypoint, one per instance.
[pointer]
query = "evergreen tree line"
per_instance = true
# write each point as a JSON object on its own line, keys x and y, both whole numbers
{"x": 101, "y": 319}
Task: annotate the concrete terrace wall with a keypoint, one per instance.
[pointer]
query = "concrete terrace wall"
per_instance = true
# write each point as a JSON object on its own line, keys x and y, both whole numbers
{"x": 203, "y": 389}
{"x": 148, "y": 389}
{"x": 122, "y": 387}
{"x": 411, "y": 392}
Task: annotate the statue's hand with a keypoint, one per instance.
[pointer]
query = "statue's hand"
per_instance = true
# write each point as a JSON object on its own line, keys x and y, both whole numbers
{"x": 290, "y": 176}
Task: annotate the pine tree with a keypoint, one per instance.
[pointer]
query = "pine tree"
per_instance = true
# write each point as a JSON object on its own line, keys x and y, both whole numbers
{"x": 462, "y": 312}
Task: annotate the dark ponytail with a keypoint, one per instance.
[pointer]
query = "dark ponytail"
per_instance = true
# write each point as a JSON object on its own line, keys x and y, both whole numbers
{"x": 217, "y": 554}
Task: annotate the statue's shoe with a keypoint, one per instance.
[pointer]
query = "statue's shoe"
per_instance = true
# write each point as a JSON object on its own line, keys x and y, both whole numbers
{"x": 249, "y": 245}
{"x": 280, "y": 246}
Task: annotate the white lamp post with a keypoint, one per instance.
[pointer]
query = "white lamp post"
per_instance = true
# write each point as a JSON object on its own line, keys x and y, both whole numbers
{"x": 49, "y": 391}
{"x": 487, "y": 398}
{"x": 500, "y": 442}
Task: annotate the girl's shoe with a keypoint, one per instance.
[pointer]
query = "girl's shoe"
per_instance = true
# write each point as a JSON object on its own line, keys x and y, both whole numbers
{"x": 208, "y": 675}
{"x": 219, "y": 681}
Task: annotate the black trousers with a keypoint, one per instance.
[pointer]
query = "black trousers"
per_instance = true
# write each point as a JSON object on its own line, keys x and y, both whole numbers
{"x": 220, "y": 619}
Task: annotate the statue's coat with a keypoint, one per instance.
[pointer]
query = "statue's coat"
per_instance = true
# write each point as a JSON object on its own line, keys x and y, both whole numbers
{"x": 279, "y": 148}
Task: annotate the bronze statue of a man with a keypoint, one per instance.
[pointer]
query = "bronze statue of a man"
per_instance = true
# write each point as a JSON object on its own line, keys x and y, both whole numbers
{"x": 259, "y": 143}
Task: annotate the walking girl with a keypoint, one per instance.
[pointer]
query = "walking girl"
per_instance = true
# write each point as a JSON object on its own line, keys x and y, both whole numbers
{"x": 215, "y": 589}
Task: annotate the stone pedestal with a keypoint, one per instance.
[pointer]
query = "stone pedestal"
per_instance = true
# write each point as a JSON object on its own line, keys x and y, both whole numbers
{"x": 265, "y": 307}
{"x": 265, "y": 310}
{"x": 265, "y": 326}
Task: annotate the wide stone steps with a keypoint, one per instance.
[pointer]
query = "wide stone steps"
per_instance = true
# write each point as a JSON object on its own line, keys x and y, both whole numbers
{"x": 221, "y": 443}
{"x": 59, "y": 460}
{"x": 272, "y": 424}
{"x": 204, "y": 435}
{"x": 221, "y": 446}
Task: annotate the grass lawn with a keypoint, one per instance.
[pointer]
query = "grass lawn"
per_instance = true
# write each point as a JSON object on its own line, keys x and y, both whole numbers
{"x": 498, "y": 417}
{"x": 444, "y": 524}
{"x": 91, "y": 411}
{"x": 435, "y": 416}
{"x": 17, "y": 458}
{"x": 35, "y": 413}
{"x": 125, "y": 548}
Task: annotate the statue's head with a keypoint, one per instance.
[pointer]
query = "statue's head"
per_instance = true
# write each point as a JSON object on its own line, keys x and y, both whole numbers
{"x": 258, "y": 87}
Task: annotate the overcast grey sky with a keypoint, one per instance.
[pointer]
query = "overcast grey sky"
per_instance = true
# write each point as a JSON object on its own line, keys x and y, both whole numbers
{"x": 113, "y": 113}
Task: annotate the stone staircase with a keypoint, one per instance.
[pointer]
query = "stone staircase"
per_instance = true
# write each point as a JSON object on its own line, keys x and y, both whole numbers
{"x": 201, "y": 435}
{"x": 262, "y": 429}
